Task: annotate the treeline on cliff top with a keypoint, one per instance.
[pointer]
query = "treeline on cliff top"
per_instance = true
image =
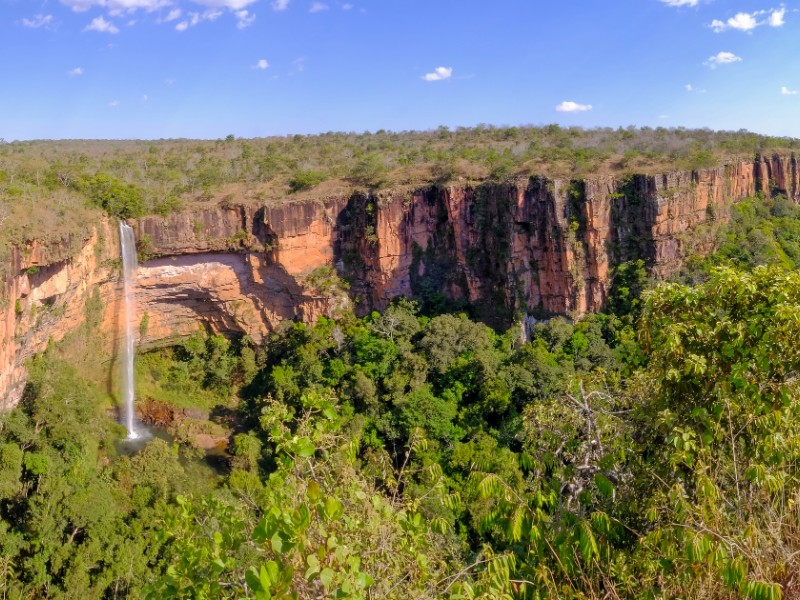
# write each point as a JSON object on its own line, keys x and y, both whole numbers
{"x": 48, "y": 188}
{"x": 653, "y": 452}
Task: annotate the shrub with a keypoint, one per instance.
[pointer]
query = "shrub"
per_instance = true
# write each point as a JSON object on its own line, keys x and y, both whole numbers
{"x": 304, "y": 179}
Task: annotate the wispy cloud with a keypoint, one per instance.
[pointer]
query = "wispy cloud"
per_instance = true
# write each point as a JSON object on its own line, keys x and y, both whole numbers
{"x": 76, "y": 72}
{"x": 38, "y": 21}
{"x": 244, "y": 19}
{"x": 116, "y": 7}
{"x": 570, "y": 106}
{"x": 172, "y": 15}
{"x": 347, "y": 6}
{"x": 722, "y": 58}
{"x": 195, "y": 18}
{"x": 229, "y": 4}
{"x": 690, "y": 88}
{"x": 678, "y": 3}
{"x": 101, "y": 25}
{"x": 262, "y": 64}
{"x": 114, "y": 103}
{"x": 280, "y": 5}
{"x": 439, "y": 74}
{"x": 747, "y": 22}
{"x": 318, "y": 7}
{"x": 787, "y": 92}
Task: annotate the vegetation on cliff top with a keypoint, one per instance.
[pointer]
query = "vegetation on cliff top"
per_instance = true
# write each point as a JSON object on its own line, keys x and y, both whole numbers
{"x": 50, "y": 188}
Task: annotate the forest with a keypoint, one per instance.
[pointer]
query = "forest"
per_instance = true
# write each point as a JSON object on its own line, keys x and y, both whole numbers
{"x": 650, "y": 451}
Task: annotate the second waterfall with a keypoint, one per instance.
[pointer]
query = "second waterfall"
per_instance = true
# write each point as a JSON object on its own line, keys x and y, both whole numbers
{"x": 128, "y": 246}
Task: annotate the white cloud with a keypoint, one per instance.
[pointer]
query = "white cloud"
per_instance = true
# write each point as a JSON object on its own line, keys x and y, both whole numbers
{"x": 230, "y": 4}
{"x": 748, "y": 21}
{"x": 689, "y": 87}
{"x": 145, "y": 98}
{"x": 244, "y": 19}
{"x": 173, "y": 15}
{"x": 280, "y": 4}
{"x": 569, "y": 106}
{"x": 262, "y": 64}
{"x": 76, "y": 72}
{"x": 195, "y": 18}
{"x": 776, "y": 18}
{"x": 114, "y": 103}
{"x": 741, "y": 22}
{"x": 101, "y": 25}
{"x": 787, "y": 92}
{"x": 662, "y": 117}
{"x": 38, "y": 21}
{"x": 317, "y": 7}
{"x": 680, "y": 2}
{"x": 439, "y": 74}
{"x": 347, "y": 6}
{"x": 722, "y": 58}
{"x": 116, "y": 7}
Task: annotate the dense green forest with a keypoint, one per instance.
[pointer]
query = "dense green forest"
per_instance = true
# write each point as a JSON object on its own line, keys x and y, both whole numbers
{"x": 649, "y": 452}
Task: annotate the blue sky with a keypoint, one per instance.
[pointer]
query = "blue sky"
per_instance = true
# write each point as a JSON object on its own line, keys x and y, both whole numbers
{"x": 208, "y": 68}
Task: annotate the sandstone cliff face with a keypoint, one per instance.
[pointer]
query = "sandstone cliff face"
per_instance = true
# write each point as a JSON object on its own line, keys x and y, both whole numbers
{"x": 551, "y": 244}
{"x": 234, "y": 269}
{"x": 45, "y": 298}
{"x": 540, "y": 245}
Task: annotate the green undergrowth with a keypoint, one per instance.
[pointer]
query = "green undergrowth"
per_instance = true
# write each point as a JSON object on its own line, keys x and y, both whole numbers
{"x": 653, "y": 454}
{"x": 203, "y": 372}
{"x": 760, "y": 231}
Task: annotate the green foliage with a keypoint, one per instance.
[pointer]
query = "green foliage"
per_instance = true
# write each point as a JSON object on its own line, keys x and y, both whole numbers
{"x": 369, "y": 170}
{"x": 202, "y": 372}
{"x": 73, "y": 521}
{"x": 322, "y": 530}
{"x": 117, "y": 198}
{"x": 651, "y": 453}
{"x": 760, "y": 232}
{"x": 628, "y": 281}
{"x": 304, "y": 179}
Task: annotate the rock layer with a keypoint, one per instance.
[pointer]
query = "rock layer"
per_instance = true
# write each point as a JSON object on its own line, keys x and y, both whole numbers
{"x": 537, "y": 245}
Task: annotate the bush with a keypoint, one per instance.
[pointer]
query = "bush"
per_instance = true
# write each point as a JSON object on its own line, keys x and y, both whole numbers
{"x": 304, "y": 179}
{"x": 117, "y": 198}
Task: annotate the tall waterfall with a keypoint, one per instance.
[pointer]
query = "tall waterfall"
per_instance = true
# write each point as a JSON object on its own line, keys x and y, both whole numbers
{"x": 128, "y": 245}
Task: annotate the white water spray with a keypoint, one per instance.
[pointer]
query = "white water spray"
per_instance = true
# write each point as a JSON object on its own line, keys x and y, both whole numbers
{"x": 128, "y": 245}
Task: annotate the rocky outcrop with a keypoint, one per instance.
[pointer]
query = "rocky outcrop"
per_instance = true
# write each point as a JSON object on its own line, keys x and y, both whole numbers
{"x": 537, "y": 245}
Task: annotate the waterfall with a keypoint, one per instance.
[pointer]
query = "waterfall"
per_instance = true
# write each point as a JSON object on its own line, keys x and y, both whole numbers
{"x": 128, "y": 245}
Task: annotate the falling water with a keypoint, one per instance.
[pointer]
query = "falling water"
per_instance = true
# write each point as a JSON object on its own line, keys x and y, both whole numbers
{"x": 128, "y": 245}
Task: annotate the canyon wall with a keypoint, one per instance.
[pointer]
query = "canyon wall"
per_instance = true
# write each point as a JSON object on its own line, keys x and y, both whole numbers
{"x": 46, "y": 296}
{"x": 535, "y": 245}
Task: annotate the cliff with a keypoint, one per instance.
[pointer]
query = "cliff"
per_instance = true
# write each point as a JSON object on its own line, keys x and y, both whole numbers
{"x": 538, "y": 245}
{"x": 47, "y": 294}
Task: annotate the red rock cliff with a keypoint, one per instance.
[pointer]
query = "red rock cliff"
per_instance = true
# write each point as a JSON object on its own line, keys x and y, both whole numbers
{"x": 509, "y": 248}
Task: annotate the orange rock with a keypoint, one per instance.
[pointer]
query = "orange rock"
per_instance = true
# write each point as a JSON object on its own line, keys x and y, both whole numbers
{"x": 240, "y": 268}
